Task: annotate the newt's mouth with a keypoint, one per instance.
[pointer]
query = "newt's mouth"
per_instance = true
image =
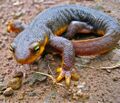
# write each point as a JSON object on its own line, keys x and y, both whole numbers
{"x": 31, "y": 57}
{"x": 28, "y": 61}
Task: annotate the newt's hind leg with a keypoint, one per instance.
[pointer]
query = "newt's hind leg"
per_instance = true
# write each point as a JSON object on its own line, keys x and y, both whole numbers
{"x": 66, "y": 48}
{"x": 15, "y": 26}
{"x": 77, "y": 27}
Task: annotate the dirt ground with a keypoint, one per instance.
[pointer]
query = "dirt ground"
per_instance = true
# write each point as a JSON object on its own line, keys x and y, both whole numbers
{"x": 96, "y": 85}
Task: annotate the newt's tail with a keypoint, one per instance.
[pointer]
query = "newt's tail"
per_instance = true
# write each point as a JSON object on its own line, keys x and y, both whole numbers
{"x": 95, "y": 46}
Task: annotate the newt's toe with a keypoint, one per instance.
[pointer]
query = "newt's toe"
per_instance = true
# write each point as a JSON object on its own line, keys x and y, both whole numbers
{"x": 67, "y": 78}
{"x": 58, "y": 70}
{"x": 61, "y": 76}
{"x": 67, "y": 75}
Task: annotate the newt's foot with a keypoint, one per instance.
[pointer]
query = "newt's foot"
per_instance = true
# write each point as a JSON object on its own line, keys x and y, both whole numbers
{"x": 15, "y": 26}
{"x": 67, "y": 74}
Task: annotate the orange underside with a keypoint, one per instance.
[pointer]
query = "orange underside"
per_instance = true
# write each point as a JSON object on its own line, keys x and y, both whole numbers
{"x": 61, "y": 30}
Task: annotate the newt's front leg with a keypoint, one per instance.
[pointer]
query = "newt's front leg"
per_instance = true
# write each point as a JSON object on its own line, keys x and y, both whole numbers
{"x": 66, "y": 48}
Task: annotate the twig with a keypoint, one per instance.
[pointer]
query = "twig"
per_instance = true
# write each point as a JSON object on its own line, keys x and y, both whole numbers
{"x": 51, "y": 77}
{"x": 50, "y": 69}
{"x": 85, "y": 66}
{"x": 46, "y": 75}
{"x": 112, "y": 67}
{"x": 88, "y": 66}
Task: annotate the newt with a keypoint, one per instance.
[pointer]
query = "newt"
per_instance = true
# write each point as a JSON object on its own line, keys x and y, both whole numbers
{"x": 46, "y": 29}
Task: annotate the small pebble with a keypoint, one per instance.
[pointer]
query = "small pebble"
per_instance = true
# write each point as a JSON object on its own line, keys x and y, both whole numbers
{"x": 17, "y": 3}
{"x": 115, "y": 78}
{"x": 116, "y": 56}
{"x": 1, "y": 92}
{"x": 15, "y": 83}
{"x": 38, "y": 1}
{"x": 1, "y": 78}
{"x": 2, "y": 45}
{"x": 76, "y": 83}
{"x": 9, "y": 57}
{"x": 8, "y": 92}
{"x": 17, "y": 15}
{"x": 2, "y": 86}
{"x": 32, "y": 94}
{"x": 21, "y": 96}
{"x": 84, "y": 96}
{"x": 6, "y": 38}
{"x": 1, "y": 41}
{"x": 2, "y": 98}
{"x": 81, "y": 86}
{"x": 108, "y": 70}
{"x": 75, "y": 97}
{"x": 18, "y": 74}
{"x": 4, "y": 32}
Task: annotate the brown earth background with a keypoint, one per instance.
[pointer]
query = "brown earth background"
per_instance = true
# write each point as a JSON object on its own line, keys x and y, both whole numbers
{"x": 96, "y": 85}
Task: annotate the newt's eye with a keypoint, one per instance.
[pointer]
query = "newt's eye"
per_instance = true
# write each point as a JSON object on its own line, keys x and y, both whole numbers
{"x": 35, "y": 47}
{"x": 12, "y": 47}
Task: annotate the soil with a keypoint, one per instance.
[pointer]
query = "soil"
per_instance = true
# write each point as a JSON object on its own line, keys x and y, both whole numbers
{"x": 96, "y": 85}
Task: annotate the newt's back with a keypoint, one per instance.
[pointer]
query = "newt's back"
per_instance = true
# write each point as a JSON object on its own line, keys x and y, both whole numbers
{"x": 60, "y": 17}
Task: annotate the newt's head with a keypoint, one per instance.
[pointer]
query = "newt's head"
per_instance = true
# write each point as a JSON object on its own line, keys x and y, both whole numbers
{"x": 28, "y": 46}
